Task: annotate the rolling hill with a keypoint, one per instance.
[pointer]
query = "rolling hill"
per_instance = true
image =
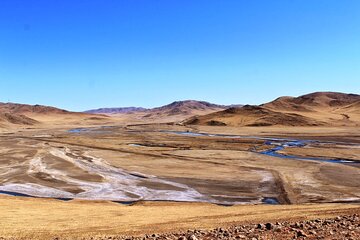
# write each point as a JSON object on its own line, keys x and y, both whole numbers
{"x": 315, "y": 109}
{"x": 184, "y": 108}
{"x": 16, "y": 108}
{"x": 14, "y": 114}
{"x": 173, "y": 112}
{"x": 252, "y": 116}
{"x": 318, "y": 101}
{"x": 116, "y": 110}
{"x": 334, "y": 108}
{"x": 9, "y": 118}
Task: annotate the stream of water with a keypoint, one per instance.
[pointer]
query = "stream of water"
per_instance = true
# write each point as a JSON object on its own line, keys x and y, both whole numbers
{"x": 278, "y": 144}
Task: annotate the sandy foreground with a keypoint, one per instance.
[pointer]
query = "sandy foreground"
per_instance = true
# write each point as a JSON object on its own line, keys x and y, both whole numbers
{"x": 30, "y": 218}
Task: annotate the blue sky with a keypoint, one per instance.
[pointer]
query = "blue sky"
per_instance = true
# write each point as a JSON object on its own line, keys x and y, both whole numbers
{"x": 87, "y": 54}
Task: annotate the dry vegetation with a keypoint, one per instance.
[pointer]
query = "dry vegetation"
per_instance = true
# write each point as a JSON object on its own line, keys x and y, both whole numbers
{"x": 107, "y": 159}
{"x": 46, "y": 219}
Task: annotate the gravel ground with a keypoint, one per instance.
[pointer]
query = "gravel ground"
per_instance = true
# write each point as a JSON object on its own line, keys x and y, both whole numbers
{"x": 341, "y": 227}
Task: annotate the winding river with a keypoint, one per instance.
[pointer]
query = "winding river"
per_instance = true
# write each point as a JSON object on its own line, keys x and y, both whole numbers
{"x": 278, "y": 144}
{"x": 126, "y": 187}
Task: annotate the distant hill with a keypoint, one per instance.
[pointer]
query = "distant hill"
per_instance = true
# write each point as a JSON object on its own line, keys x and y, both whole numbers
{"x": 24, "y": 114}
{"x": 116, "y": 110}
{"x": 175, "y": 108}
{"x": 188, "y": 107}
{"x": 19, "y": 119}
{"x": 313, "y": 101}
{"x": 14, "y": 113}
{"x": 334, "y": 108}
{"x": 16, "y": 108}
{"x": 251, "y": 116}
{"x": 315, "y": 109}
{"x": 176, "y": 111}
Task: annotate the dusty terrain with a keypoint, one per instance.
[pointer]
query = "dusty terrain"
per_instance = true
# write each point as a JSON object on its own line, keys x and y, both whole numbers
{"x": 28, "y": 218}
{"x": 113, "y": 175}
{"x": 167, "y": 162}
{"x": 171, "y": 163}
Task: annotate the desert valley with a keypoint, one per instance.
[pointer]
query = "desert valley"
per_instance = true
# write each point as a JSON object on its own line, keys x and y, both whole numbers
{"x": 158, "y": 173}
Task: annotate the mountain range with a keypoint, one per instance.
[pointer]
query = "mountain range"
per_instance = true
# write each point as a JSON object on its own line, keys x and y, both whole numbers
{"x": 173, "y": 112}
{"x": 116, "y": 110}
{"x": 315, "y": 109}
{"x": 174, "y": 108}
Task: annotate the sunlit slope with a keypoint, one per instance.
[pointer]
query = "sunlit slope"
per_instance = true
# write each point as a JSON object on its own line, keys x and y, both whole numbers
{"x": 315, "y": 109}
{"x": 22, "y": 115}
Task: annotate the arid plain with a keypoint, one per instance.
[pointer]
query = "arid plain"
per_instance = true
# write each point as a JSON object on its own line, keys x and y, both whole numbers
{"x": 182, "y": 166}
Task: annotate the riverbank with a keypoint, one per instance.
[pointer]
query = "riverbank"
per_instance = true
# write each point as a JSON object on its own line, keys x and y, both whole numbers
{"x": 162, "y": 162}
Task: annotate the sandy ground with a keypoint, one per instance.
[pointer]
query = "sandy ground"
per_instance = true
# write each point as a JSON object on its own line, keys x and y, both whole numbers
{"x": 30, "y": 218}
{"x": 153, "y": 162}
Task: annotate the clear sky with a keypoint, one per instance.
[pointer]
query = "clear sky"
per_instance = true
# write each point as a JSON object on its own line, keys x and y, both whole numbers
{"x": 83, "y": 54}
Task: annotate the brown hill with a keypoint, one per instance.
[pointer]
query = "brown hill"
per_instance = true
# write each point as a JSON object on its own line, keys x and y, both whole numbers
{"x": 12, "y": 113}
{"x": 315, "y": 109}
{"x": 118, "y": 110}
{"x": 24, "y": 114}
{"x": 336, "y": 109}
{"x": 16, "y": 108}
{"x": 188, "y": 107}
{"x": 313, "y": 102}
{"x": 174, "y": 112}
{"x": 351, "y": 108}
{"x": 10, "y": 118}
{"x": 252, "y": 116}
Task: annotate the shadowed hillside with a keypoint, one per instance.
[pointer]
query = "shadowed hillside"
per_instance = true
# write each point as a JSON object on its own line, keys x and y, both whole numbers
{"x": 252, "y": 116}
{"x": 16, "y": 108}
{"x": 188, "y": 107}
{"x": 13, "y": 114}
{"x": 315, "y": 109}
{"x": 12, "y": 118}
{"x": 317, "y": 101}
